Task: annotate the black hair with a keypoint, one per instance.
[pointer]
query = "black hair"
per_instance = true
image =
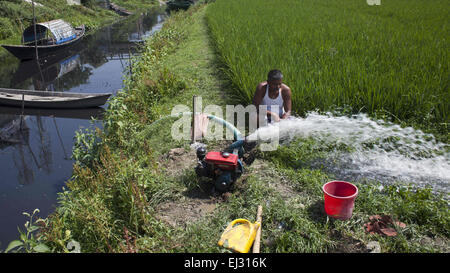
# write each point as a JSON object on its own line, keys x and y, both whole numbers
{"x": 274, "y": 74}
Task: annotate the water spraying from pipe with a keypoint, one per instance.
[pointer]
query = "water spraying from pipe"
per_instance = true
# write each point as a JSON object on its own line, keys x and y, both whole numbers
{"x": 375, "y": 149}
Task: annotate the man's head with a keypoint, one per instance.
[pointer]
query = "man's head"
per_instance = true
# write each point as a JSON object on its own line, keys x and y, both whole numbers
{"x": 274, "y": 79}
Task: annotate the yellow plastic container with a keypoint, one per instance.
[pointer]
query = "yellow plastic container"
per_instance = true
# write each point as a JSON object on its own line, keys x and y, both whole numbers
{"x": 239, "y": 237}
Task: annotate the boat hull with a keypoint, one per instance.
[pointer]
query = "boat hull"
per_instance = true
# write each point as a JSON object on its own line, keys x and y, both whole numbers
{"x": 28, "y": 52}
{"x": 87, "y": 113}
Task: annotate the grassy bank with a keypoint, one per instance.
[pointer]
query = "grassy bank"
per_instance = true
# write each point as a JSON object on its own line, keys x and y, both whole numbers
{"x": 15, "y": 15}
{"x": 130, "y": 192}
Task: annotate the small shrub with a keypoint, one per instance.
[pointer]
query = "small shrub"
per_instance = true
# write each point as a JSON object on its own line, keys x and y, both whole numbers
{"x": 6, "y": 28}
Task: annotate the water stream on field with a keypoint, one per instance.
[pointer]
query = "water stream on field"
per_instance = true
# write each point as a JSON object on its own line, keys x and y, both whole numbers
{"x": 373, "y": 149}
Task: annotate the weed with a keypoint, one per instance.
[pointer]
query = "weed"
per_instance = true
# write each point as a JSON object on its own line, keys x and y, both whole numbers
{"x": 29, "y": 242}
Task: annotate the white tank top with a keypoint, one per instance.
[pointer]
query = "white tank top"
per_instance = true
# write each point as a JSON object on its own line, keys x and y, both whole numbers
{"x": 277, "y": 101}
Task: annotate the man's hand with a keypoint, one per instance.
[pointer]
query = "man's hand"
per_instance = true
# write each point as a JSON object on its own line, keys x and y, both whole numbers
{"x": 275, "y": 116}
{"x": 286, "y": 115}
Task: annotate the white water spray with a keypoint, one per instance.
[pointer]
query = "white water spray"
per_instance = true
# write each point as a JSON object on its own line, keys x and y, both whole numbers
{"x": 379, "y": 150}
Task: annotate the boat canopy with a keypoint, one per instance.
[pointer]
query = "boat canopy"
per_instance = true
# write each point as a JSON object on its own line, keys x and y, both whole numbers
{"x": 60, "y": 30}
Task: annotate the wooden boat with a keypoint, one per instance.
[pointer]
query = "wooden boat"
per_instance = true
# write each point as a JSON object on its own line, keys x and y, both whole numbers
{"x": 52, "y": 37}
{"x": 179, "y": 4}
{"x": 50, "y": 99}
{"x": 119, "y": 10}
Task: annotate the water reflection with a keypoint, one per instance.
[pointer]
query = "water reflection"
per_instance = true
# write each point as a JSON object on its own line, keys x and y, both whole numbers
{"x": 36, "y": 144}
{"x": 15, "y": 132}
{"x": 44, "y": 130}
{"x": 49, "y": 75}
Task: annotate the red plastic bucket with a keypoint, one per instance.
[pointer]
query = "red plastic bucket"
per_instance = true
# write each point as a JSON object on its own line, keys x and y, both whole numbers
{"x": 339, "y": 199}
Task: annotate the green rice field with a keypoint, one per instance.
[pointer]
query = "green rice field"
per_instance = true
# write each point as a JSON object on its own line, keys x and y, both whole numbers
{"x": 388, "y": 60}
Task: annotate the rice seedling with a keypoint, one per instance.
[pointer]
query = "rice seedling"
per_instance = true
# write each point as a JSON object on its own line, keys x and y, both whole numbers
{"x": 389, "y": 60}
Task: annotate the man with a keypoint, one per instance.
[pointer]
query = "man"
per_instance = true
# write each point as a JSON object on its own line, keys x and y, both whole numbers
{"x": 274, "y": 92}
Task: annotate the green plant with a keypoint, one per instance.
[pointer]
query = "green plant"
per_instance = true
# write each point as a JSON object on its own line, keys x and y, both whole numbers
{"x": 86, "y": 147}
{"x": 6, "y": 28}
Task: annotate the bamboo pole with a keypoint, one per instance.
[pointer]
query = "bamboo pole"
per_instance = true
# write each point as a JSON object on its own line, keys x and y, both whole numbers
{"x": 194, "y": 108}
{"x": 35, "y": 36}
{"x": 256, "y": 244}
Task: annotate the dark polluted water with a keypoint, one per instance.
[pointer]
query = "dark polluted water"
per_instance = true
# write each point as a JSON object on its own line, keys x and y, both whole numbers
{"x": 36, "y": 148}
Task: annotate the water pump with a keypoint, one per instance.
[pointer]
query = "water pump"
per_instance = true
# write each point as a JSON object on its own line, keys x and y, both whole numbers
{"x": 223, "y": 167}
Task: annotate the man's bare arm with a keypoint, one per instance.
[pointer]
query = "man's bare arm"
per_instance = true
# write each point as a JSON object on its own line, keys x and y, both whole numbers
{"x": 258, "y": 97}
{"x": 287, "y": 98}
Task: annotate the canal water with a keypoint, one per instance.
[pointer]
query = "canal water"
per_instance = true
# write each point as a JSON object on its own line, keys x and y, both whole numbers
{"x": 36, "y": 147}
